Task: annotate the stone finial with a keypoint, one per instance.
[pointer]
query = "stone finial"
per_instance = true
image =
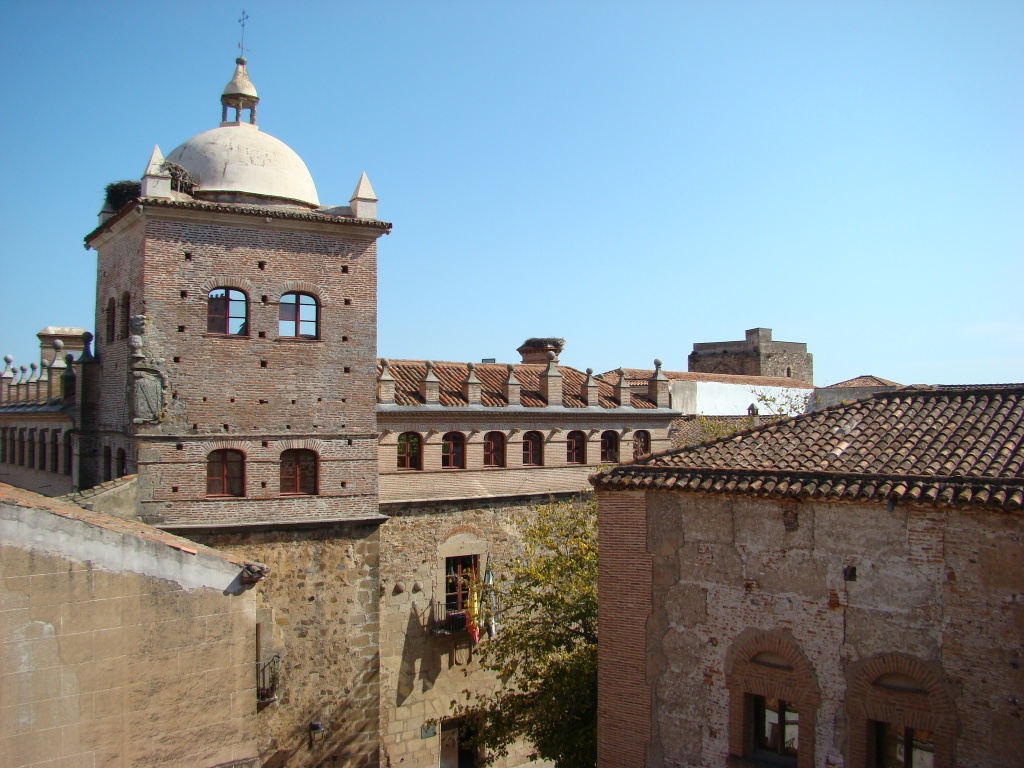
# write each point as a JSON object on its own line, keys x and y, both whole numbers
{"x": 622, "y": 391}
{"x": 156, "y": 181}
{"x": 87, "y": 355}
{"x": 385, "y": 383}
{"x": 430, "y": 387}
{"x": 535, "y": 350}
{"x": 471, "y": 385}
{"x": 6, "y": 379}
{"x": 364, "y": 199}
{"x": 511, "y": 388}
{"x": 551, "y": 381}
{"x": 589, "y": 390}
{"x": 657, "y": 387}
{"x": 753, "y": 413}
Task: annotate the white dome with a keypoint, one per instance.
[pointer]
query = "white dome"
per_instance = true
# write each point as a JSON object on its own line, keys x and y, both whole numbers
{"x": 239, "y": 158}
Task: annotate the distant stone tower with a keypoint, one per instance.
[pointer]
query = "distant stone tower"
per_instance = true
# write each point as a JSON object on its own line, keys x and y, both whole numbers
{"x": 757, "y": 355}
{"x": 236, "y": 335}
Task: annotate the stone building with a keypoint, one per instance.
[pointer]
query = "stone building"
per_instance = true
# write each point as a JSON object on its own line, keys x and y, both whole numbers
{"x": 121, "y": 644}
{"x": 842, "y": 588}
{"x": 756, "y": 355}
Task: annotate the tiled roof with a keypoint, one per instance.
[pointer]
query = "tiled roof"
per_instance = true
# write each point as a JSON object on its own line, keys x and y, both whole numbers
{"x": 409, "y": 373}
{"x": 639, "y": 377}
{"x": 947, "y": 445}
{"x": 276, "y": 212}
{"x": 21, "y": 498}
{"x": 865, "y": 381}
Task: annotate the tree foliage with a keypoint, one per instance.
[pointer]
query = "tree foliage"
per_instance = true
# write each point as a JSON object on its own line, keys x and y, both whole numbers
{"x": 545, "y": 646}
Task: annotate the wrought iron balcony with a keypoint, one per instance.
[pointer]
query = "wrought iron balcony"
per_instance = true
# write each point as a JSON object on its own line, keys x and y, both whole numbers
{"x": 268, "y": 677}
{"x": 442, "y": 621}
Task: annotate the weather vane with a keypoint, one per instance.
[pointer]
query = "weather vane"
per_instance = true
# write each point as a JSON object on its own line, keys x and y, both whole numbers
{"x": 241, "y": 44}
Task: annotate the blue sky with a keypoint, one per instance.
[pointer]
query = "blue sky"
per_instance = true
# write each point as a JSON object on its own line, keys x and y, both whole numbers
{"x": 633, "y": 177}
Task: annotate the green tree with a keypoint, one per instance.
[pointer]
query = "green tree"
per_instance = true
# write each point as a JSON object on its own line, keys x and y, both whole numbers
{"x": 544, "y": 649}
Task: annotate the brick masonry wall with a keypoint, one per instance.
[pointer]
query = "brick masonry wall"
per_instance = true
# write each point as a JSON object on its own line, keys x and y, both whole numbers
{"x": 514, "y": 479}
{"x": 260, "y": 393}
{"x": 319, "y": 612}
{"x": 110, "y": 666}
{"x": 938, "y": 586}
{"x": 624, "y": 593}
{"x": 422, "y": 673}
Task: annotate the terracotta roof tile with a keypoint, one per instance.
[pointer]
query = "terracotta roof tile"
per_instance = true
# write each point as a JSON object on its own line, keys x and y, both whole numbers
{"x": 865, "y": 381}
{"x": 409, "y": 373}
{"x": 640, "y": 376}
{"x": 960, "y": 445}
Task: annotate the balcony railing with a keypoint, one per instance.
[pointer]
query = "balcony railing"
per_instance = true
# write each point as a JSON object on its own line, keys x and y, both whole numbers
{"x": 442, "y": 621}
{"x": 268, "y": 677}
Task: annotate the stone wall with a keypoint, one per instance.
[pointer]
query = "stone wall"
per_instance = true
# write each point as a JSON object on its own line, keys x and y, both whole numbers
{"x": 318, "y": 611}
{"x": 422, "y": 673}
{"x": 854, "y": 591}
{"x": 756, "y": 355}
{"x": 122, "y": 645}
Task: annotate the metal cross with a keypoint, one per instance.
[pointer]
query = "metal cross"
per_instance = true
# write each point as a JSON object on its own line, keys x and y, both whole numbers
{"x": 241, "y": 45}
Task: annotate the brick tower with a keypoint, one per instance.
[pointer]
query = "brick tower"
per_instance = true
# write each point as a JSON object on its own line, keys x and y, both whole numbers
{"x": 237, "y": 335}
{"x": 235, "y": 373}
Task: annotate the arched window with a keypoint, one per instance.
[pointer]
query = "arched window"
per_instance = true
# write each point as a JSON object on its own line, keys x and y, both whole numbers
{"x": 409, "y": 454}
{"x": 533, "y": 449}
{"x": 298, "y": 316}
{"x": 641, "y": 443}
{"x": 298, "y": 473}
{"x": 227, "y": 312}
{"x": 453, "y": 451}
{"x": 609, "y": 446}
{"x": 107, "y": 464}
{"x": 126, "y": 314}
{"x": 30, "y": 456}
{"x": 576, "y": 448}
{"x": 41, "y": 452}
{"x": 121, "y": 467}
{"x": 111, "y": 319}
{"x": 773, "y": 693}
{"x": 21, "y": 447}
{"x": 900, "y": 714}
{"x": 494, "y": 449}
{"x": 225, "y": 473}
{"x": 3, "y": 445}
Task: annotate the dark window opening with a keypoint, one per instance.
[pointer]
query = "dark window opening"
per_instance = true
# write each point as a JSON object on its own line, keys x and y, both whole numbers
{"x": 494, "y": 449}
{"x": 776, "y": 728}
{"x": 533, "y": 446}
{"x": 409, "y": 454}
{"x": 453, "y": 451}
{"x": 576, "y": 448}
{"x": 641, "y": 443}
{"x": 298, "y": 473}
{"x": 609, "y": 447}
{"x": 225, "y": 473}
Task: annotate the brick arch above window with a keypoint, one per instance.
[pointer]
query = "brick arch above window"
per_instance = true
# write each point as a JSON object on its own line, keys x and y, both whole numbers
{"x": 309, "y": 444}
{"x": 769, "y": 665}
{"x": 229, "y": 281}
{"x": 244, "y": 446}
{"x": 899, "y": 690}
{"x": 298, "y": 286}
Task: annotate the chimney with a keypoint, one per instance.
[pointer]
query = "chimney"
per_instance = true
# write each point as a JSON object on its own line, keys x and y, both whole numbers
{"x": 430, "y": 387}
{"x": 551, "y": 382}
{"x": 536, "y": 350}
{"x": 657, "y": 387}
{"x": 511, "y": 388}
{"x": 471, "y": 385}
{"x": 385, "y": 383}
{"x": 588, "y": 390}
{"x": 622, "y": 391}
